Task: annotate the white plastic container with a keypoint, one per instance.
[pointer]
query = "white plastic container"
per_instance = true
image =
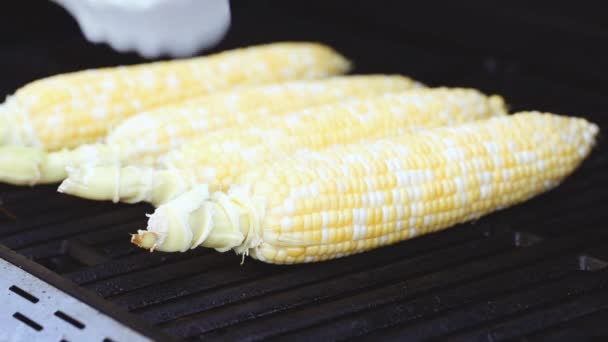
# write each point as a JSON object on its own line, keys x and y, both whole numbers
{"x": 177, "y": 28}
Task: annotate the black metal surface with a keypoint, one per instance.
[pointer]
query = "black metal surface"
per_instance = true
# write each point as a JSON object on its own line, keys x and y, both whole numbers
{"x": 533, "y": 272}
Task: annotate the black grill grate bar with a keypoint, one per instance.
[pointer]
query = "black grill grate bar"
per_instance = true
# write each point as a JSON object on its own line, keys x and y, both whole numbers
{"x": 372, "y": 279}
{"x": 135, "y": 263}
{"x": 423, "y": 307}
{"x": 116, "y": 269}
{"x": 581, "y": 186}
{"x": 197, "y": 283}
{"x": 54, "y": 247}
{"x": 464, "y": 234}
{"x": 83, "y": 253}
{"x": 120, "y": 245}
{"x": 568, "y": 205}
{"x": 15, "y": 194}
{"x": 597, "y": 159}
{"x": 122, "y": 249}
{"x": 149, "y": 277}
{"x": 552, "y": 201}
{"x": 570, "y": 302}
{"x": 594, "y": 219}
{"x": 555, "y": 222}
{"x": 61, "y": 263}
{"x": 42, "y": 202}
{"x": 48, "y": 250}
{"x": 532, "y": 212}
{"x": 42, "y": 198}
{"x": 72, "y": 228}
{"x": 13, "y": 215}
{"x": 117, "y": 244}
{"x": 594, "y": 163}
{"x": 586, "y": 327}
{"x": 114, "y": 233}
{"x": 481, "y": 316}
{"x": 52, "y": 217}
{"x": 419, "y": 306}
{"x": 465, "y": 272}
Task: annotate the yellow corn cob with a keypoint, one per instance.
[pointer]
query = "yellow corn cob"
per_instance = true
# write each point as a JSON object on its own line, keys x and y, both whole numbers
{"x": 143, "y": 137}
{"x": 67, "y": 110}
{"x": 158, "y": 131}
{"x": 349, "y": 199}
{"x": 217, "y": 158}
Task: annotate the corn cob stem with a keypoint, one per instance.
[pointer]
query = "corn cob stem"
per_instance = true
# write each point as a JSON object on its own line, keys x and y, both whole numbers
{"x": 349, "y": 199}
{"x": 67, "y": 110}
{"x": 216, "y": 159}
{"x": 141, "y": 139}
{"x": 20, "y": 165}
{"x": 31, "y": 165}
{"x": 145, "y": 239}
{"x": 129, "y": 184}
{"x": 220, "y": 221}
{"x": 4, "y": 125}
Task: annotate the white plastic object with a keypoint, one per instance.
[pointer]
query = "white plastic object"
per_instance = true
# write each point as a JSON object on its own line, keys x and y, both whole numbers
{"x": 177, "y": 28}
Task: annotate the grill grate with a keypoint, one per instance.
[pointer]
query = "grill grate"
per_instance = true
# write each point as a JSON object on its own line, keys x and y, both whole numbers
{"x": 533, "y": 272}
{"x": 507, "y": 272}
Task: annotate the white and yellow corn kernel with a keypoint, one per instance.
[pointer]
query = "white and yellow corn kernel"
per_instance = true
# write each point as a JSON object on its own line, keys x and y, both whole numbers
{"x": 141, "y": 139}
{"x": 149, "y": 134}
{"x": 219, "y": 157}
{"x": 349, "y": 199}
{"x": 67, "y": 110}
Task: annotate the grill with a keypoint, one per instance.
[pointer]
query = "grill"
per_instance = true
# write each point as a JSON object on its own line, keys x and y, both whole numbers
{"x": 537, "y": 271}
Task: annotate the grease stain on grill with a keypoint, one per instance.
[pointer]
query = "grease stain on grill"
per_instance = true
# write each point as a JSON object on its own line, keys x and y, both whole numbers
{"x": 28, "y": 321}
{"x": 21, "y": 292}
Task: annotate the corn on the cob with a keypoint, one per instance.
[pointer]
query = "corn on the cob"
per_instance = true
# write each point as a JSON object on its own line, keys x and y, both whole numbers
{"x": 349, "y": 199}
{"x": 159, "y": 131}
{"x": 143, "y": 137}
{"x": 217, "y": 158}
{"x": 67, "y": 110}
